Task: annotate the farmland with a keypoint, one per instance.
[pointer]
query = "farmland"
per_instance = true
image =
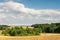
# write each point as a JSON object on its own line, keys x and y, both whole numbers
{"x": 40, "y": 37}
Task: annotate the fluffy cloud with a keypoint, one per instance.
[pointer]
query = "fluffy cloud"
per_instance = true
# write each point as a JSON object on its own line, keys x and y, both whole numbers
{"x": 16, "y": 13}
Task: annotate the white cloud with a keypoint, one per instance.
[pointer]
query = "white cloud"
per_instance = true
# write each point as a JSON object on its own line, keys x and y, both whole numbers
{"x": 2, "y": 16}
{"x": 13, "y": 12}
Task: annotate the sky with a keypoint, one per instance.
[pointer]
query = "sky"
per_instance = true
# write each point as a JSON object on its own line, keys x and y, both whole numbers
{"x": 26, "y": 12}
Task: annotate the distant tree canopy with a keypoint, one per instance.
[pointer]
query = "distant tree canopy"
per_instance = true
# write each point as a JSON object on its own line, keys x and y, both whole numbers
{"x": 2, "y": 27}
{"x": 48, "y": 28}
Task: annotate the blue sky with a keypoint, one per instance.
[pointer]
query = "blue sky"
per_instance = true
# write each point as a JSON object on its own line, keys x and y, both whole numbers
{"x": 41, "y": 4}
{"x": 29, "y": 11}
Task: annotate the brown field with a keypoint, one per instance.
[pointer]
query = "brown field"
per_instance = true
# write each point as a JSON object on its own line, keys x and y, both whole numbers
{"x": 40, "y": 37}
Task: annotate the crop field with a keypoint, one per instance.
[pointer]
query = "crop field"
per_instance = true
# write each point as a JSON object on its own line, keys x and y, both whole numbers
{"x": 40, "y": 37}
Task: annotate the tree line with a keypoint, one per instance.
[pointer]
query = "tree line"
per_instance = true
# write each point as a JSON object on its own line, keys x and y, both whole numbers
{"x": 37, "y": 29}
{"x": 48, "y": 28}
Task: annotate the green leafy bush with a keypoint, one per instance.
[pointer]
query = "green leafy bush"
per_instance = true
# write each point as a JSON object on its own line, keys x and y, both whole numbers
{"x": 19, "y": 31}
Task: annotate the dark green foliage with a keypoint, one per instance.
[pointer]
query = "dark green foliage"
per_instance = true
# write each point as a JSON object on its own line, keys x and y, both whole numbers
{"x": 57, "y": 30}
{"x": 2, "y": 27}
{"x": 48, "y": 28}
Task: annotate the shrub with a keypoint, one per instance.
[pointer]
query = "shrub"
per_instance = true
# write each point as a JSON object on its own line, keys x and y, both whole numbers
{"x": 19, "y": 31}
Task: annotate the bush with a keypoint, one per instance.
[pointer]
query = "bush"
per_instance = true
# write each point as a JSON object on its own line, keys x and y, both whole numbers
{"x": 19, "y": 31}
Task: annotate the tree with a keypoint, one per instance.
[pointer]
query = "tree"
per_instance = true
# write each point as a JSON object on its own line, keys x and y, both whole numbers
{"x": 57, "y": 30}
{"x": 3, "y": 27}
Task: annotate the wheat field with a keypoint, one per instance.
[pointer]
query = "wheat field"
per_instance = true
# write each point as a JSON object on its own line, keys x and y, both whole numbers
{"x": 40, "y": 37}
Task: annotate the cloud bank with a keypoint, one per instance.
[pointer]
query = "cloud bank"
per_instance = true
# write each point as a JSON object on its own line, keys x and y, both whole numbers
{"x": 16, "y": 13}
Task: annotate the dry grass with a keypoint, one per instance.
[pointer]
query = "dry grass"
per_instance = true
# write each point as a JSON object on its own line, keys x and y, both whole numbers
{"x": 40, "y": 37}
{"x": 0, "y": 32}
